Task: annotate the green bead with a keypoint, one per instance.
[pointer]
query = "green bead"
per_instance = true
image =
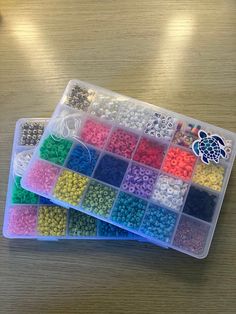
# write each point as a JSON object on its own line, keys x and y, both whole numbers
{"x": 99, "y": 199}
{"x": 81, "y": 224}
{"x": 55, "y": 149}
{"x": 22, "y": 196}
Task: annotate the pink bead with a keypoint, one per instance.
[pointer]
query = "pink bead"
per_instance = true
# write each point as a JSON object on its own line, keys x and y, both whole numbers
{"x": 41, "y": 177}
{"x": 22, "y": 220}
{"x": 95, "y": 133}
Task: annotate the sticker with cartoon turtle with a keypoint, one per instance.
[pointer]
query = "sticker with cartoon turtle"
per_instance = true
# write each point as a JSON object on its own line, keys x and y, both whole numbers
{"x": 209, "y": 147}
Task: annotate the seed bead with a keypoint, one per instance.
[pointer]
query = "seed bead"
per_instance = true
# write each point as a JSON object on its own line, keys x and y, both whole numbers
{"x": 55, "y": 149}
{"x": 22, "y": 196}
{"x": 159, "y": 223}
{"x": 129, "y": 210}
{"x": 70, "y": 187}
{"x": 81, "y": 224}
{"x": 211, "y": 176}
{"x": 22, "y": 220}
{"x": 52, "y": 220}
{"x": 191, "y": 235}
{"x": 99, "y": 199}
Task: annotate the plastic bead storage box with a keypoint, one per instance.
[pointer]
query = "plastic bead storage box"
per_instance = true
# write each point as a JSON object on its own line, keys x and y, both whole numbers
{"x": 28, "y": 215}
{"x": 150, "y": 171}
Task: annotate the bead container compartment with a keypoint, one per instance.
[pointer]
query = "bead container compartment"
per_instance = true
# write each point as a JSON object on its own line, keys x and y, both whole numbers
{"x": 27, "y": 215}
{"x": 144, "y": 178}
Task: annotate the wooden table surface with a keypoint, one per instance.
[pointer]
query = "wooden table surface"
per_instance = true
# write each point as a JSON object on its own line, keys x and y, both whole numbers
{"x": 179, "y": 54}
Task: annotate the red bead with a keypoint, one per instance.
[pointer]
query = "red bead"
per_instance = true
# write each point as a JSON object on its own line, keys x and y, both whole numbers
{"x": 150, "y": 153}
{"x": 179, "y": 162}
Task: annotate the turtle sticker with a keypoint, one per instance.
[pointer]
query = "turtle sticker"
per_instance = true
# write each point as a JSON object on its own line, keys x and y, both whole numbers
{"x": 209, "y": 147}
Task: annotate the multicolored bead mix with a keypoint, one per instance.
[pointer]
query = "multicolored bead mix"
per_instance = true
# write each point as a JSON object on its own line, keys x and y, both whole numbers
{"x": 41, "y": 177}
{"x": 31, "y": 133}
{"x": 191, "y": 235}
{"x": 200, "y": 204}
{"x": 99, "y": 199}
{"x": 160, "y": 125}
{"x": 132, "y": 116}
{"x": 52, "y": 221}
{"x": 128, "y": 210}
{"x": 95, "y": 133}
{"x": 80, "y": 98}
{"x": 22, "y": 220}
{"x": 105, "y": 107}
{"x": 211, "y": 176}
{"x": 82, "y": 159}
{"x": 55, "y": 149}
{"x": 111, "y": 170}
{"x": 179, "y": 163}
{"x": 122, "y": 143}
{"x": 139, "y": 180}
{"x": 150, "y": 153}
{"x": 159, "y": 223}
{"x": 22, "y": 196}
{"x": 170, "y": 192}
{"x": 185, "y": 135}
{"x": 70, "y": 187}
{"x": 81, "y": 224}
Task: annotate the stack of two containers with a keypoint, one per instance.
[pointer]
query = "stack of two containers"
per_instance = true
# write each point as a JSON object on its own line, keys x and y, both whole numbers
{"x": 106, "y": 166}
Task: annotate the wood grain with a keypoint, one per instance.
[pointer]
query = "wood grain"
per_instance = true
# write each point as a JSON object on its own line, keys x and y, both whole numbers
{"x": 175, "y": 53}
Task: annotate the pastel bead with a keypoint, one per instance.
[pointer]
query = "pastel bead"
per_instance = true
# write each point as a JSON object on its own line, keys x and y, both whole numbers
{"x": 22, "y": 220}
{"x": 211, "y": 176}
{"x": 70, "y": 187}
{"x": 41, "y": 177}
{"x": 139, "y": 180}
{"x": 95, "y": 133}
{"x": 99, "y": 199}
